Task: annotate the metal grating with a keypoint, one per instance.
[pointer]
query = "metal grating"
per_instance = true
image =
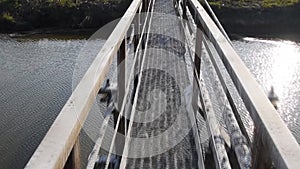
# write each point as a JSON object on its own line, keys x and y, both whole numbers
{"x": 161, "y": 97}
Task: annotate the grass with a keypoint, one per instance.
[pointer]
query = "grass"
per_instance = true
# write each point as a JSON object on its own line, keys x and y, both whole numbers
{"x": 68, "y": 3}
{"x": 251, "y": 3}
{"x": 6, "y": 16}
{"x": 216, "y": 3}
{"x": 271, "y": 3}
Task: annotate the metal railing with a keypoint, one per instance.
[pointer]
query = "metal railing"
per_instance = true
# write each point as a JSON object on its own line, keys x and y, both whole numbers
{"x": 273, "y": 143}
{"x": 61, "y": 141}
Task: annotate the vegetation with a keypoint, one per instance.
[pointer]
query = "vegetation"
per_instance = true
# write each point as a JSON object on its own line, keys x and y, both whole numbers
{"x": 65, "y": 3}
{"x": 27, "y": 15}
{"x": 271, "y": 3}
{"x": 24, "y": 15}
{"x": 7, "y": 17}
{"x": 253, "y": 3}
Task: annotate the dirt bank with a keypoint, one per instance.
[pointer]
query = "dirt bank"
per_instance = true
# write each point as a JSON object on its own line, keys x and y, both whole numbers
{"x": 279, "y": 22}
{"x": 83, "y": 16}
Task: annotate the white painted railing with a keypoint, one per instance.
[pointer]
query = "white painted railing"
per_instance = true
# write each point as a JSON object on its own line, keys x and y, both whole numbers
{"x": 273, "y": 144}
{"x": 59, "y": 144}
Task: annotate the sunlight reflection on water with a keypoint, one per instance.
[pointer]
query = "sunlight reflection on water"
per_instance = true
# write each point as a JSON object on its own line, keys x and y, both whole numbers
{"x": 276, "y": 63}
{"x": 42, "y": 71}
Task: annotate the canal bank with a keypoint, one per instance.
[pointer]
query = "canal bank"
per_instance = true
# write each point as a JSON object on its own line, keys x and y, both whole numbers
{"x": 265, "y": 22}
{"x": 239, "y": 20}
{"x": 49, "y": 17}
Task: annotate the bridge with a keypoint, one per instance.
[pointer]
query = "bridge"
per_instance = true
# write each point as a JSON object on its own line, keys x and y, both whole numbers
{"x": 183, "y": 99}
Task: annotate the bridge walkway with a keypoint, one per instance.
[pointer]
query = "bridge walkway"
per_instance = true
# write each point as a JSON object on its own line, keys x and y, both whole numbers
{"x": 161, "y": 107}
{"x": 161, "y": 130}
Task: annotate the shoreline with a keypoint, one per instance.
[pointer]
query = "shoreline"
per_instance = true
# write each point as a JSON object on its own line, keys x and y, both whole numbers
{"x": 273, "y": 22}
{"x": 84, "y": 19}
{"x": 53, "y": 33}
{"x": 86, "y": 34}
{"x": 49, "y": 17}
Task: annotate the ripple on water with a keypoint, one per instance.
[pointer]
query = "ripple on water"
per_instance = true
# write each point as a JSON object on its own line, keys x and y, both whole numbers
{"x": 276, "y": 63}
{"x": 36, "y": 80}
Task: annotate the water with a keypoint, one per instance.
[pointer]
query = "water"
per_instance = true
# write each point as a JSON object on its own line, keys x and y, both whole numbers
{"x": 36, "y": 80}
{"x": 276, "y": 63}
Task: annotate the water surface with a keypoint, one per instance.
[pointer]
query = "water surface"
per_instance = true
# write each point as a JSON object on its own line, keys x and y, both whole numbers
{"x": 36, "y": 80}
{"x": 276, "y": 63}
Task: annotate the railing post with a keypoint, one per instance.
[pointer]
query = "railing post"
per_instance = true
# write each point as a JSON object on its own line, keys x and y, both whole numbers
{"x": 197, "y": 63}
{"x": 145, "y": 5}
{"x": 121, "y": 74}
{"x": 260, "y": 157}
{"x": 184, "y": 9}
{"x": 137, "y": 30}
{"x": 73, "y": 161}
{"x": 137, "y": 38}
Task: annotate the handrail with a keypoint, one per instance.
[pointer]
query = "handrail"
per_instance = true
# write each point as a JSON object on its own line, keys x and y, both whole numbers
{"x": 274, "y": 135}
{"x": 56, "y": 146}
